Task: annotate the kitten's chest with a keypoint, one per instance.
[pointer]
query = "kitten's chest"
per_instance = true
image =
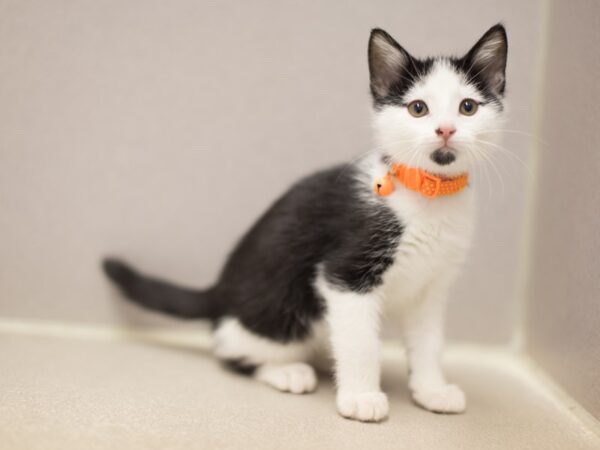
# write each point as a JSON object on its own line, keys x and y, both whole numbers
{"x": 437, "y": 234}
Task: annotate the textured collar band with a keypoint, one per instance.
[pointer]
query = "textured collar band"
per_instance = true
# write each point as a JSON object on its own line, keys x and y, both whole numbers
{"x": 421, "y": 181}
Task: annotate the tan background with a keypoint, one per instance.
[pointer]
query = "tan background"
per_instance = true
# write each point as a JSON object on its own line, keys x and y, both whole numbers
{"x": 159, "y": 131}
{"x": 563, "y": 313}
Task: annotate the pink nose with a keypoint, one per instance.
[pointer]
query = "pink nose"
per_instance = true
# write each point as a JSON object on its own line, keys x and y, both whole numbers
{"x": 445, "y": 132}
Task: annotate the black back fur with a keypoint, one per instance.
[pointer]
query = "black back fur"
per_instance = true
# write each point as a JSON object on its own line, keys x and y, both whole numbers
{"x": 324, "y": 222}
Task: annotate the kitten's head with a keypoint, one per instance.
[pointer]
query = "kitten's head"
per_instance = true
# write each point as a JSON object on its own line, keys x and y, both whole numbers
{"x": 439, "y": 114}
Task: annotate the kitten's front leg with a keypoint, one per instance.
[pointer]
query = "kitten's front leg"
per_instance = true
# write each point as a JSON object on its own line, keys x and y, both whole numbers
{"x": 354, "y": 331}
{"x": 423, "y": 333}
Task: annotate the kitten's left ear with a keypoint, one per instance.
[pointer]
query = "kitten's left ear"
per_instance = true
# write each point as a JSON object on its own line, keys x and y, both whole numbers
{"x": 487, "y": 59}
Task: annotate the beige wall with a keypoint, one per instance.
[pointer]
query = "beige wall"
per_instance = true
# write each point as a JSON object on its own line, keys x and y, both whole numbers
{"x": 563, "y": 312}
{"x": 159, "y": 130}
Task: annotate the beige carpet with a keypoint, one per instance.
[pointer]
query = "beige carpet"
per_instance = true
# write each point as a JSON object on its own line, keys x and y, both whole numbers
{"x": 65, "y": 393}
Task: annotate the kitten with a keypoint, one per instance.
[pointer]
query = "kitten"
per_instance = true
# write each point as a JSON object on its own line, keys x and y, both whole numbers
{"x": 336, "y": 253}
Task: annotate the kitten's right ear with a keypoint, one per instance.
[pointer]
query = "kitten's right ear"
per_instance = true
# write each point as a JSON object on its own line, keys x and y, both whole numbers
{"x": 387, "y": 62}
{"x": 487, "y": 59}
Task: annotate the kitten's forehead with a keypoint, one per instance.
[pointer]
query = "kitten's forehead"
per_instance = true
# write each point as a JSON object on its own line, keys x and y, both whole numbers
{"x": 444, "y": 80}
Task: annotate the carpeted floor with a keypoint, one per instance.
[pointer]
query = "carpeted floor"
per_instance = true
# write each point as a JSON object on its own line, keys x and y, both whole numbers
{"x": 64, "y": 393}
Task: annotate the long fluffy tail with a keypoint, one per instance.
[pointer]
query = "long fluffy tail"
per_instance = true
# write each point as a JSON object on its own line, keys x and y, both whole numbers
{"x": 160, "y": 295}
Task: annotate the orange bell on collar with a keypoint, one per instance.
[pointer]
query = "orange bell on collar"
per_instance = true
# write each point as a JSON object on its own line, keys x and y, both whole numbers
{"x": 384, "y": 185}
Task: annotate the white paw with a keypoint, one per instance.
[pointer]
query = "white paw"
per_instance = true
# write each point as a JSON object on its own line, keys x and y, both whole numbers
{"x": 297, "y": 378}
{"x": 448, "y": 399}
{"x": 366, "y": 407}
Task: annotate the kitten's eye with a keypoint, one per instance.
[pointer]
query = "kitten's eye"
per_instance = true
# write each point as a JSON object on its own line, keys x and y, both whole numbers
{"x": 468, "y": 107}
{"x": 417, "y": 108}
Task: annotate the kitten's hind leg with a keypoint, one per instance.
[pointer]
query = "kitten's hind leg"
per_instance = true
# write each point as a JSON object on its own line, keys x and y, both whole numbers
{"x": 282, "y": 366}
{"x": 297, "y": 378}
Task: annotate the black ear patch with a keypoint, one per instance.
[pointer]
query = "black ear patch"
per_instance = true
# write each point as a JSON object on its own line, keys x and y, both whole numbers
{"x": 387, "y": 62}
{"x": 485, "y": 63}
{"x": 392, "y": 69}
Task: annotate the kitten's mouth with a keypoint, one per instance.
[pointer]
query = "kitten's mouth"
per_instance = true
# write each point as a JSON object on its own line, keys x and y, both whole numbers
{"x": 443, "y": 156}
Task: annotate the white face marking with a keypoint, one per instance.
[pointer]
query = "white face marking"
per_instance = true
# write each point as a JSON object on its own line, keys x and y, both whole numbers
{"x": 411, "y": 140}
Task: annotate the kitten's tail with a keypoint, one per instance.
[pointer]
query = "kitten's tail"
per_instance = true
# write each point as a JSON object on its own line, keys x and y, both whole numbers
{"x": 160, "y": 295}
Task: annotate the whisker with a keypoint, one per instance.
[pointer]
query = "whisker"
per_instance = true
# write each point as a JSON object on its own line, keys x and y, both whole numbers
{"x": 520, "y": 132}
{"x": 498, "y": 147}
{"x": 486, "y": 172}
{"x": 489, "y": 159}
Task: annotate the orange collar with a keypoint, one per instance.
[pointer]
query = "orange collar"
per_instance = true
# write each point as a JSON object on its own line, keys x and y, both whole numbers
{"x": 421, "y": 181}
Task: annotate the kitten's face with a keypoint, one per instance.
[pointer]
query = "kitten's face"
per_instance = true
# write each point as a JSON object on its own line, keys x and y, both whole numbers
{"x": 442, "y": 114}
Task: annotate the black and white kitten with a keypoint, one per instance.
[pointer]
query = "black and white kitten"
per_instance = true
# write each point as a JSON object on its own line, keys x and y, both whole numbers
{"x": 330, "y": 258}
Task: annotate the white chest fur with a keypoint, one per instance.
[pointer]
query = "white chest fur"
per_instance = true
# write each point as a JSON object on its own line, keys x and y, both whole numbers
{"x": 436, "y": 237}
{"x": 437, "y": 234}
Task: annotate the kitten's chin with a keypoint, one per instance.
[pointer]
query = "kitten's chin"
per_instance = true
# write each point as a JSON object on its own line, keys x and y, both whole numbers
{"x": 443, "y": 156}
{"x": 447, "y": 161}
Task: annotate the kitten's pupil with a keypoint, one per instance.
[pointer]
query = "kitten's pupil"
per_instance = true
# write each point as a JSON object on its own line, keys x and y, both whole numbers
{"x": 468, "y": 106}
